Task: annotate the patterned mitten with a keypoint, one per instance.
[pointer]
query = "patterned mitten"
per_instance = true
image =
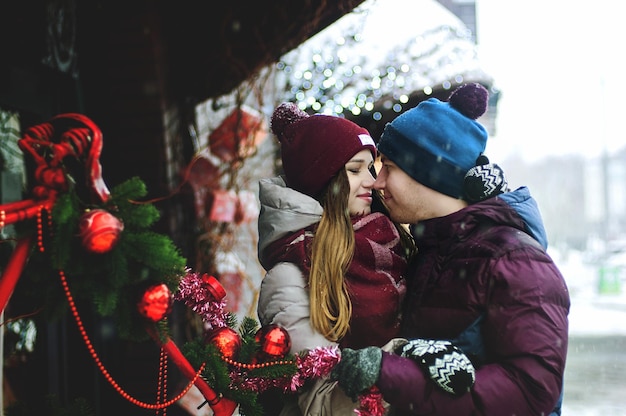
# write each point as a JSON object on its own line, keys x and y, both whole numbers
{"x": 443, "y": 362}
{"x": 485, "y": 180}
{"x": 358, "y": 370}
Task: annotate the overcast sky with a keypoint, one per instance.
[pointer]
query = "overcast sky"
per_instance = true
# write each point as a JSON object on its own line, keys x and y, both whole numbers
{"x": 560, "y": 67}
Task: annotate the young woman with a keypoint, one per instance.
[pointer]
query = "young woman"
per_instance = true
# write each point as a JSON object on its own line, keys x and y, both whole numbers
{"x": 334, "y": 266}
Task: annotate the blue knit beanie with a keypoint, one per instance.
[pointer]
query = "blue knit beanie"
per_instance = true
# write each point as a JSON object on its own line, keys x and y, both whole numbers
{"x": 436, "y": 143}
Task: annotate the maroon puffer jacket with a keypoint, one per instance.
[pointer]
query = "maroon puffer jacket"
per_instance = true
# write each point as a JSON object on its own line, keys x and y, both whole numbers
{"x": 480, "y": 260}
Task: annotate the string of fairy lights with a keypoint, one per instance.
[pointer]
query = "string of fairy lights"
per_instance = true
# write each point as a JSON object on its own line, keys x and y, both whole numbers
{"x": 336, "y": 77}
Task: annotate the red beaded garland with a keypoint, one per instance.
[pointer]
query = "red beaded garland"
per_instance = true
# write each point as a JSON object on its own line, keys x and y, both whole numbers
{"x": 40, "y": 230}
{"x": 254, "y": 366}
{"x": 105, "y": 372}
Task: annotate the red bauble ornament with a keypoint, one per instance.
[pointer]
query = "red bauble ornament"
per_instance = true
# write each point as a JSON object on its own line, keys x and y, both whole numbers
{"x": 226, "y": 339}
{"x": 274, "y": 341}
{"x": 99, "y": 230}
{"x": 156, "y": 302}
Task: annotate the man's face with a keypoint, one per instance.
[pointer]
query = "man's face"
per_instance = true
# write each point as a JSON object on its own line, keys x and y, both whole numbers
{"x": 408, "y": 201}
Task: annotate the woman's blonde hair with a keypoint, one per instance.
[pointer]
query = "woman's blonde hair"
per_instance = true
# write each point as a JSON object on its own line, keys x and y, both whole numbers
{"x": 331, "y": 254}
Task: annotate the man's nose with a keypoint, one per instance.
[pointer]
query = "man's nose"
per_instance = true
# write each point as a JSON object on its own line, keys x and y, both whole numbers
{"x": 379, "y": 183}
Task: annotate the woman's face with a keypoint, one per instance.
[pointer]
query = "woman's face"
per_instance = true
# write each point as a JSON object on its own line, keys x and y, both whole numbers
{"x": 361, "y": 183}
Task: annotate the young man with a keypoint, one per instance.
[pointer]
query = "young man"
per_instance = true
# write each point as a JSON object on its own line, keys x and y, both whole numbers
{"x": 481, "y": 277}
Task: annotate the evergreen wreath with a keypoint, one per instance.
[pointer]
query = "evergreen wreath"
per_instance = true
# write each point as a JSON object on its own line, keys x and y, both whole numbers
{"x": 111, "y": 281}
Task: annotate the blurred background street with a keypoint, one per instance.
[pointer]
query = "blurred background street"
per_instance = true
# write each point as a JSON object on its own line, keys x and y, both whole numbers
{"x": 595, "y": 376}
{"x": 595, "y": 381}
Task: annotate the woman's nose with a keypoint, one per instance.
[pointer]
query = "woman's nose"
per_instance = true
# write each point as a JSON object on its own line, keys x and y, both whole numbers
{"x": 369, "y": 181}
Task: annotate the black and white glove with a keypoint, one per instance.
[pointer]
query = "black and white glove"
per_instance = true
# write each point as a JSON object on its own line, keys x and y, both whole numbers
{"x": 443, "y": 362}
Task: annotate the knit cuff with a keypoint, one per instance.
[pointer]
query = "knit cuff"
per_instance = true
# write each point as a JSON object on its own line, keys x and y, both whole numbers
{"x": 403, "y": 383}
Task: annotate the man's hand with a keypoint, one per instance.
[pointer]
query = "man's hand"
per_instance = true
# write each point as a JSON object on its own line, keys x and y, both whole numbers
{"x": 443, "y": 362}
{"x": 358, "y": 370}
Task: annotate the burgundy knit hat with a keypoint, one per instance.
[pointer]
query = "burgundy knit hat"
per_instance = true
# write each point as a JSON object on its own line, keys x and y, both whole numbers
{"x": 314, "y": 148}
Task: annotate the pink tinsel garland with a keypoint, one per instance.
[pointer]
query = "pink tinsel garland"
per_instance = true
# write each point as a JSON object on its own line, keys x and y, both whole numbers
{"x": 371, "y": 404}
{"x": 195, "y": 293}
{"x": 319, "y": 362}
{"x": 315, "y": 363}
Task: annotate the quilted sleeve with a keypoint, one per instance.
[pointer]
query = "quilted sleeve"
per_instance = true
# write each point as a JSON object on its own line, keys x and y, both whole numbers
{"x": 284, "y": 300}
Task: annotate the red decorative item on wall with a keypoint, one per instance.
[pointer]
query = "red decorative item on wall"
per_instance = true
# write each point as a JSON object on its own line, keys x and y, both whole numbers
{"x": 156, "y": 302}
{"x": 203, "y": 176}
{"x": 237, "y": 136}
{"x": 224, "y": 206}
{"x": 233, "y": 283}
{"x": 247, "y": 207}
{"x": 99, "y": 230}
{"x": 226, "y": 339}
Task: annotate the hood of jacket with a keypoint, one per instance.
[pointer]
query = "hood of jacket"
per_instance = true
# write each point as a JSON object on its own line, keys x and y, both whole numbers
{"x": 528, "y": 210}
{"x": 283, "y": 211}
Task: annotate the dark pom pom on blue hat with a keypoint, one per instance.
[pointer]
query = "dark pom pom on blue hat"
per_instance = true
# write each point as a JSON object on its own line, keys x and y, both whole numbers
{"x": 470, "y": 100}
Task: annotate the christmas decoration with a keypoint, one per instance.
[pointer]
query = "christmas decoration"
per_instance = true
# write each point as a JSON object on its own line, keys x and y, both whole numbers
{"x": 214, "y": 287}
{"x": 99, "y": 230}
{"x": 226, "y": 340}
{"x": 247, "y": 207}
{"x": 262, "y": 362}
{"x": 237, "y": 136}
{"x": 198, "y": 294}
{"x": 274, "y": 341}
{"x": 156, "y": 302}
{"x": 114, "y": 280}
{"x": 232, "y": 274}
{"x": 66, "y": 135}
{"x": 371, "y": 403}
{"x": 138, "y": 258}
{"x": 51, "y": 178}
{"x": 202, "y": 176}
{"x": 223, "y": 206}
